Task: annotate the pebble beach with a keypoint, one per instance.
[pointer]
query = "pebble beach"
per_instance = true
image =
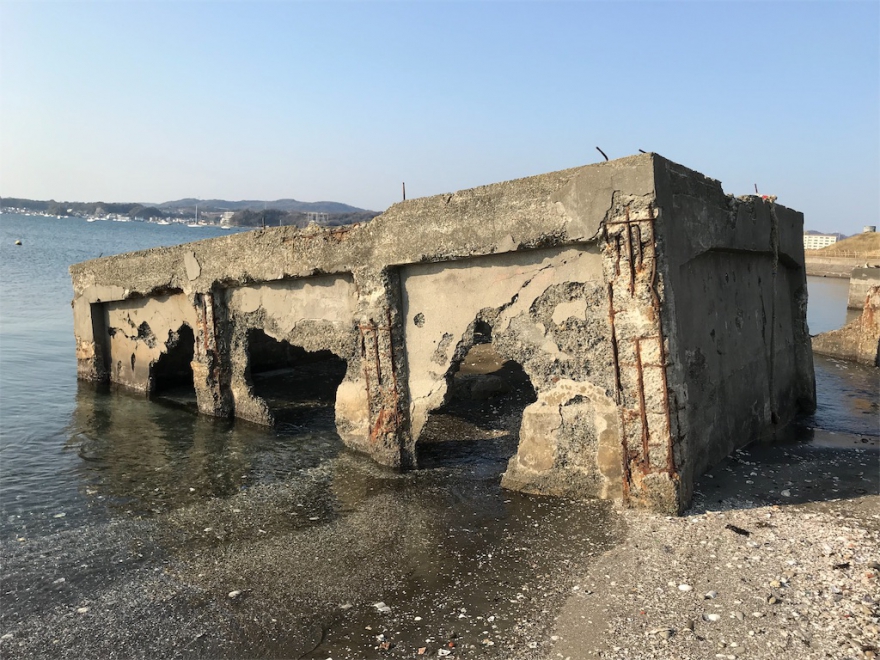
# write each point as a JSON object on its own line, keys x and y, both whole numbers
{"x": 778, "y": 558}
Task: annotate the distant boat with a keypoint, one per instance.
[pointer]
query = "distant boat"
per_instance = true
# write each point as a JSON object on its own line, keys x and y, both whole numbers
{"x": 198, "y": 223}
{"x": 90, "y": 219}
{"x": 163, "y": 222}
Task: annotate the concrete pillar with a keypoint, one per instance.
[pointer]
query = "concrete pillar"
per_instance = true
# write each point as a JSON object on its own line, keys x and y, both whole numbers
{"x": 210, "y": 376}
{"x": 647, "y": 427}
{"x": 861, "y": 281}
{"x": 91, "y": 346}
{"x": 383, "y": 426}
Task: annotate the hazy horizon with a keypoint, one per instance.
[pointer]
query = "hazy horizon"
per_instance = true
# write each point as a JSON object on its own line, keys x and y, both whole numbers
{"x": 344, "y": 101}
{"x": 178, "y": 199}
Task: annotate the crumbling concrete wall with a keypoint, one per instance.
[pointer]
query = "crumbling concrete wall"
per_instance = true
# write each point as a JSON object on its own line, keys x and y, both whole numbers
{"x": 861, "y": 281}
{"x": 547, "y": 311}
{"x": 858, "y": 340}
{"x": 139, "y": 331}
{"x": 121, "y": 338}
{"x": 735, "y": 301}
{"x": 661, "y": 323}
{"x": 314, "y": 313}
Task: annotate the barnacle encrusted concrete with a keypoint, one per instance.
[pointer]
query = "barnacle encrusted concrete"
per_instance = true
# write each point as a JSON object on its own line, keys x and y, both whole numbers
{"x": 661, "y": 322}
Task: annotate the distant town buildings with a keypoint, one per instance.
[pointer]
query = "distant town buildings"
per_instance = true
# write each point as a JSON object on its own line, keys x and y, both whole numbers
{"x": 819, "y": 241}
{"x": 317, "y": 218}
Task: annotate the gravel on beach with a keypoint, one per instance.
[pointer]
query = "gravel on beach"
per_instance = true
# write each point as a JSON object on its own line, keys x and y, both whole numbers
{"x": 744, "y": 574}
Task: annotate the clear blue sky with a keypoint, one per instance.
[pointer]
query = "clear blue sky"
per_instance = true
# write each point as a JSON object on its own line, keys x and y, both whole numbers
{"x": 121, "y": 101}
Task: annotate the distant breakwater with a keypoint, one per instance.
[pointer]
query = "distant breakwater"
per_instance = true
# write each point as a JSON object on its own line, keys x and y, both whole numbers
{"x": 836, "y": 266}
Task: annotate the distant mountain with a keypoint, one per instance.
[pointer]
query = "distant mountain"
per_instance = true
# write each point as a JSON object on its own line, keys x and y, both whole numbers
{"x": 245, "y": 213}
{"x": 287, "y": 205}
{"x": 275, "y": 218}
{"x": 183, "y": 205}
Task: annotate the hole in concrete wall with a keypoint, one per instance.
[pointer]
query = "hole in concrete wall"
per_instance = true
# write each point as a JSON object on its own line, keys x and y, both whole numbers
{"x": 482, "y": 333}
{"x": 299, "y": 386}
{"x": 171, "y": 376}
{"x": 145, "y": 334}
{"x": 480, "y": 421}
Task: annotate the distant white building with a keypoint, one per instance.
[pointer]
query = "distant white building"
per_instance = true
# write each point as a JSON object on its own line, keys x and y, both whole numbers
{"x": 818, "y": 241}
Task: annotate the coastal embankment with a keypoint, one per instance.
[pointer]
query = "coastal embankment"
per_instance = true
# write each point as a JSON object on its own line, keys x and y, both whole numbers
{"x": 823, "y": 266}
{"x": 839, "y": 259}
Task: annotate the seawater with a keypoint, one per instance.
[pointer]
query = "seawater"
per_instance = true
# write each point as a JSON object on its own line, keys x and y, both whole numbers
{"x": 43, "y": 477}
{"x": 150, "y": 514}
{"x": 827, "y": 304}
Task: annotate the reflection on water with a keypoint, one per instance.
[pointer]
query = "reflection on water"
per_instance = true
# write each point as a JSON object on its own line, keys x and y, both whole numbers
{"x": 43, "y": 481}
{"x": 146, "y": 457}
{"x": 309, "y": 533}
{"x": 826, "y": 309}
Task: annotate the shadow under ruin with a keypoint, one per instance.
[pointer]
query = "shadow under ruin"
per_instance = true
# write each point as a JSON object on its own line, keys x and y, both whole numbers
{"x": 485, "y": 403}
{"x": 651, "y": 323}
{"x": 172, "y": 374}
{"x": 298, "y": 386}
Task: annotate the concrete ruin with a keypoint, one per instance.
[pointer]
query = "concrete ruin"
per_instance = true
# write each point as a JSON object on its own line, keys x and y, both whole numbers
{"x": 661, "y": 323}
{"x": 861, "y": 281}
{"x": 858, "y": 340}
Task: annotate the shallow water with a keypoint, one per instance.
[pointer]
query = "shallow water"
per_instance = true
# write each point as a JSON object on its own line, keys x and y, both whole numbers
{"x": 847, "y": 397}
{"x": 42, "y": 474}
{"x": 149, "y": 516}
{"x": 827, "y": 304}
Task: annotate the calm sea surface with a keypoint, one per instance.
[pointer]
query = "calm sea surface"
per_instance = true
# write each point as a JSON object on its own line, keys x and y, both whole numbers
{"x": 74, "y": 458}
{"x": 42, "y": 472}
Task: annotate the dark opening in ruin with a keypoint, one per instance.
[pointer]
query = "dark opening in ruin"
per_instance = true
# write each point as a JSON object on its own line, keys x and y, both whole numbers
{"x": 299, "y": 386}
{"x": 482, "y": 415}
{"x": 172, "y": 374}
{"x": 482, "y": 333}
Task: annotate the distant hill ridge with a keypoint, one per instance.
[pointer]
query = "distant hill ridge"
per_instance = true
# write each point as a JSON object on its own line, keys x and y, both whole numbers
{"x": 187, "y": 204}
{"x": 860, "y": 246}
{"x": 287, "y": 205}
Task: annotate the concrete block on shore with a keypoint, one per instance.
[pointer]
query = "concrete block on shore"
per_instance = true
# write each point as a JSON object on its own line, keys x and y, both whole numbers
{"x": 861, "y": 281}
{"x": 660, "y": 322}
{"x": 858, "y": 340}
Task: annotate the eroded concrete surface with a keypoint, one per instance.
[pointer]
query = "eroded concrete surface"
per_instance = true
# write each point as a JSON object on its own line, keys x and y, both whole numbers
{"x": 861, "y": 281}
{"x": 858, "y": 340}
{"x": 661, "y": 322}
{"x": 143, "y": 329}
